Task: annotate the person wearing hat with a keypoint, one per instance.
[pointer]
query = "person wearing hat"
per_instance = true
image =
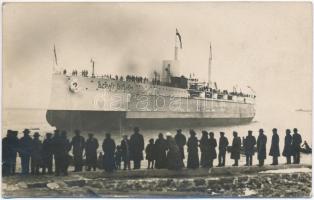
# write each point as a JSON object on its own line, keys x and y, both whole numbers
{"x": 174, "y": 161}
{"x": 25, "y": 144}
{"x": 14, "y": 143}
{"x": 212, "y": 149}
{"x": 78, "y": 144}
{"x": 109, "y": 147}
{"x": 296, "y": 146}
{"x": 249, "y": 145}
{"x": 125, "y": 148}
{"x": 223, "y": 144}
{"x": 160, "y": 151}
{"x": 204, "y": 147}
{"x": 91, "y": 147}
{"x": 36, "y": 154}
{"x": 150, "y": 154}
{"x": 136, "y": 148}
{"x": 47, "y": 154}
{"x": 192, "y": 144}
{"x": 181, "y": 141}
{"x": 274, "y": 148}
{"x": 261, "y": 147}
{"x": 287, "y": 149}
{"x": 235, "y": 148}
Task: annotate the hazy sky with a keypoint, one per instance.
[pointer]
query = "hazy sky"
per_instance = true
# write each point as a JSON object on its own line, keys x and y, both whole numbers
{"x": 265, "y": 45}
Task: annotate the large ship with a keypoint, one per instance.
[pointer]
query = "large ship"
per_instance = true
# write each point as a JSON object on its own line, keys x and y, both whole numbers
{"x": 167, "y": 100}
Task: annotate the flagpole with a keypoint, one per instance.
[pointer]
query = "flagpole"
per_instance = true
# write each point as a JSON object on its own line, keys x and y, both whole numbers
{"x": 175, "y": 47}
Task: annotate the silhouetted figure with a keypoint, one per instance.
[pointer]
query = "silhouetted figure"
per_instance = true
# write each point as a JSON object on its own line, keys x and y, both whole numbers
{"x": 161, "y": 154}
{"x": 118, "y": 157}
{"x": 274, "y": 148}
{"x": 296, "y": 146}
{"x": 25, "y": 144}
{"x": 287, "y": 149}
{"x": 181, "y": 141}
{"x": 47, "y": 154}
{"x": 174, "y": 161}
{"x": 78, "y": 143}
{"x": 56, "y": 138}
{"x": 150, "y": 153}
{"x": 261, "y": 147}
{"x": 125, "y": 148}
{"x": 204, "y": 147}
{"x": 6, "y": 153}
{"x": 249, "y": 144}
{"x": 62, "y": 147}
{"x": 212, "y": 149}
{"x": 223, "y": 144}
{"x": 100, "y": 161}
{"x": 36, "y": 159}
{"x": 109, "y": 147}
{"x": 136, "y": 148}
{"x": 91, "y": 147}
{"x": 192, "y": 144}
{"x": 235, "y": 148}
{"x": 14, "y": 145}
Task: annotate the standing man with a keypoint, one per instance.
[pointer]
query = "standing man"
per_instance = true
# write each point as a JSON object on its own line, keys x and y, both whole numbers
{"x": 55, "y": 139}
{"x": 36, "y": 154}
{"x": 47, "y": 154}
{"x": 287, "y": 149}
{"x": 14, "y": 144}
{"x": 296, "y": 146}
{"x": 223, "y": 144}
{"x": 136, "y": 148}
{"x": 193, "y": 160}
{"x": 78, "y": 143}
{"x": 25, "y": 144}
{"x": 61, "y": 147}
{"x": 235, "y": 148}
{"x": 181, "y": 141}
{"x": 261, "y": 147}
{"x": 6, "y": 152}
{"x": 249, "y": 150}
{"x": 109, "y": 148}
{"x": 204, "y": 147}
{"x": 212, "y": 149}
{"x": 91, "y": 147}
{"x": 125, "y": 148}
{"x": 274, "y": 148}
{"x": 161, "y": 155}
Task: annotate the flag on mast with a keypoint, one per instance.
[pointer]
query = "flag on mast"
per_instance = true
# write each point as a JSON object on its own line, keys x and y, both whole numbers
{"x": 179, "y": 36}
{"x": 55, "y": 54}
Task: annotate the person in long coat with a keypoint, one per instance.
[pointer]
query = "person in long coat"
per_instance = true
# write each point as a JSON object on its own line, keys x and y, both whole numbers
{"x": 78, "y": 144}
{"x": 223, "y": 144}
{"x": 14, "y": 146}
{"x": 91, "y": 146}
{"x": 274, "y": 148}
{"x": 125, "y": 148}
{"x": 212, "y": 149}
{"x": 204, "y": 147}
{"x": 261, "y": 147}
{"x": 174, "y": 161}
{"x": 287, "y": 149}
{"x": 192, "y": 144}
{"x": 136, "y": 148}
{"x": 150, "y": 154}
{"x": 61, "y": 148}
{"x": 36, "y": 154}
{"x": 25, "y": 144}
{"x": 181, "y": 142}
{"x": 249, "y": 144}
{"x": 235, "y": 148}
{"x": 296, "y": 146}
{"x": 6, "y": 153}
{"x": 161, "y": 154}
{"x": 109, "y": 148}
{"x": 47, "y": 154}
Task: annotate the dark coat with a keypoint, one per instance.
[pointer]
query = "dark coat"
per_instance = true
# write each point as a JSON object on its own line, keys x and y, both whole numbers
{"x": 205, "y": 153}
{"x": 180, "y": 141}
{"x": 150, "y": 152}
{"x": 13, "y": 143}
{"x": 193, "y": 160}
{"x": 223, "y": 144}
{"x": 47, "y": 151}
{"x": 36, "y": 154}
{"x": 212, "y": 148}
{"x": 136, "y": 147}
{"x": 78, "y": 143}
{"x": 249, "y": 144}
{"x": 125, "y": 148}
{"x": 6, "y": 151}
{"x": 274, "y": 148}
{"x": 174, "y": 161}
{"x": 296, "y": 143}
{"x": 236, "y": 148}
{"x": 25, "y": 144}
{"x": 109, "y": 148}
{"x": 287, "y": 149}
{"x": 91, "y": 146}
{"x": 261, "y": 147}
{"x": 161, "y": 155}
{"x": 61, "y": 146}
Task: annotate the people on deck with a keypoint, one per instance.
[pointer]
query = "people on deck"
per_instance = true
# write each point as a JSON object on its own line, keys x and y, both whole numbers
{"x": 25, "y": 151}
{"x": 249, "y": 148}
{"x": 261, "y": 147}
{"x": 192, "y": 144}
{"x": 223, "y": 144}
{"x": 274, "y": 148}
{"x": 136, "y": 148}
{"x": 235, "y": 148}
{"x": 296, "y": 146}
{"x": 174, "y": 160}
{"x": 78, "y": 144}
{"x": 287, "y": 149}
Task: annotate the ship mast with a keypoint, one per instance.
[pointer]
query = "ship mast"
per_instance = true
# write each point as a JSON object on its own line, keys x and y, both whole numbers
{"x": 210, "y": 66}
{"x": 93, "y": 69}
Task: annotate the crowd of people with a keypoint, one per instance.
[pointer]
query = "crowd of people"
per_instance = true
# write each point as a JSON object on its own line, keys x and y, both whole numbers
{"x": 163, "y": 153}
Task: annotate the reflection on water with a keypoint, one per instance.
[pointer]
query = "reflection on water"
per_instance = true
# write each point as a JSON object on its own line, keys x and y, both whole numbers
{"x": 25, "y": 118}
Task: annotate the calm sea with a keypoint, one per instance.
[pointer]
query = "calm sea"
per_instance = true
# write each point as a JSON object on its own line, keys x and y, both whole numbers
{"x": 35, "y": 119}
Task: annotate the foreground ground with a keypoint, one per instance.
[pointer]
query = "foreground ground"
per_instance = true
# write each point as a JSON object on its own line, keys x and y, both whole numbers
{"x": 267, "y": 181}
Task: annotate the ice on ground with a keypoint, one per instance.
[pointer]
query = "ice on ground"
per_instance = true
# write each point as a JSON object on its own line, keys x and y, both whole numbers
{"x": 249, "y": 192}
{"x": 287, "y": 171}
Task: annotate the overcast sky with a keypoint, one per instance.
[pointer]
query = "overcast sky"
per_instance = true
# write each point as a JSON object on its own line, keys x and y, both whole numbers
{"x": 265, "y": 45}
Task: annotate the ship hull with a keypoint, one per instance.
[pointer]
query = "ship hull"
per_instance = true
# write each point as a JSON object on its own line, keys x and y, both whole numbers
{"x": 115, "y": 120}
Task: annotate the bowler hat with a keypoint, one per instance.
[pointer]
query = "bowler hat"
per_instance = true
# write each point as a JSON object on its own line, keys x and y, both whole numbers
{"x": 36, "y": 134}
{"x": 26, "y": 131}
